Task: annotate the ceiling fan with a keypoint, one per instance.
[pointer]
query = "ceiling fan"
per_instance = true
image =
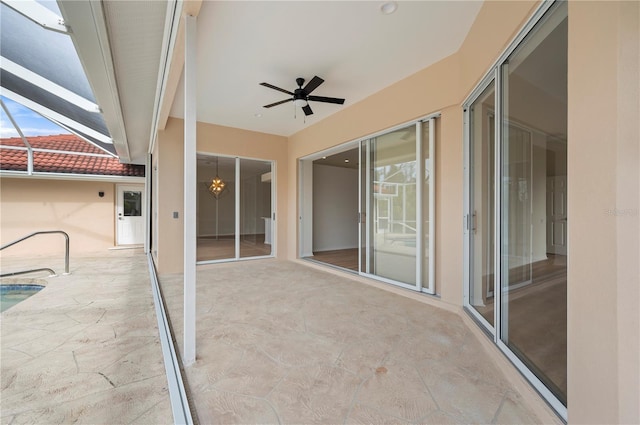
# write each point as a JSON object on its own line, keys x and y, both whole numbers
{"x": 301, "y": 96}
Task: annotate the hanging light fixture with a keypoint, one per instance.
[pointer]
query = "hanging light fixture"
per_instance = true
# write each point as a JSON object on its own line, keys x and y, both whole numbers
{"x": 217, "y": 185}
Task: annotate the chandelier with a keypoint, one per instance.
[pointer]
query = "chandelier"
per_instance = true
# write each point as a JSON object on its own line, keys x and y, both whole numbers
{"x": 217, "y": 185}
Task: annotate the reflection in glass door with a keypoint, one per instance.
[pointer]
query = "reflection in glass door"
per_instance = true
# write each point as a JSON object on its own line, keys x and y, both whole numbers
{"x": 480, "y": 221}
{"x": 255, "y": 208}
{"x": 392, "y": 199}
{"x": 516, "y": 218}
{"x": 397, "y": 192}
{"x": 533, "y": 282}
{"x": 234, "y": 208}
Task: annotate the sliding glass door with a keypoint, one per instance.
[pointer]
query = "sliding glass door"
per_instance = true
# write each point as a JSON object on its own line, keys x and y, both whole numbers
{"x": 516, "y": 218}
{"x": 368, "y": 206}
{"x": 392, "y": 188}
{"x": 480, "y": 221}
{"x": 235, "y": 208}
{"x": 396, "y": 215}
{"x": 255, "y": 208}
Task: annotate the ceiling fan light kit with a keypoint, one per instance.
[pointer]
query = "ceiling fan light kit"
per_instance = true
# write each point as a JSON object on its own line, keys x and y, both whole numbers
{"x": 301, "y": 96}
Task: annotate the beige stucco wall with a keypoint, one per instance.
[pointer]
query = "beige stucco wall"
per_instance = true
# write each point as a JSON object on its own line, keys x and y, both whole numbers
{"x": 29, "y": 205}
{"x": 603, "y": 193}
{"x": 219, "y": 140}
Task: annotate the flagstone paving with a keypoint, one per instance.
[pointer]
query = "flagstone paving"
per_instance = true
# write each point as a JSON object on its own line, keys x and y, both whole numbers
{"x": 86, "y": 348}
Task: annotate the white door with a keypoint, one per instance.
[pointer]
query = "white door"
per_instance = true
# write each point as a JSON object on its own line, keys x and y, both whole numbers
{"x": 557, "y": 215}
{"x": 130, "y": 215}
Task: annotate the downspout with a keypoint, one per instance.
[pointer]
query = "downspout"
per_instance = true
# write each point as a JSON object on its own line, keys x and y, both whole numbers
{"x": 24, "y": 139}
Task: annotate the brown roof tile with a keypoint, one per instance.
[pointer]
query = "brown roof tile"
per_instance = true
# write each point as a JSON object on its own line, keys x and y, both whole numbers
{"x": 16, "y": 160}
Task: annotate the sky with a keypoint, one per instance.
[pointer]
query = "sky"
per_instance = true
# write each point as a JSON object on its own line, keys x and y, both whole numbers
{"x": 31, "y": 123}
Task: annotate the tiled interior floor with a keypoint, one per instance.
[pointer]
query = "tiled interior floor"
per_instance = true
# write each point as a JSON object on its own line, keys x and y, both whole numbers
{"x": 280, "y": 342}
{"x": 86, "y": 348}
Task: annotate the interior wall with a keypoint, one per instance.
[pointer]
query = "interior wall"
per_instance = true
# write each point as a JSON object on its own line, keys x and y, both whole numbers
{"x": 335, "y": 208}
{"x": 212, "y": 139}
{"x": 603, "y": 207}
{"x": 31, "y": 205}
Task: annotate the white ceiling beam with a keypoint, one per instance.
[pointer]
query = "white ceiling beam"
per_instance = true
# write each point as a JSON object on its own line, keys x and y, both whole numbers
{"x": 55, "y": 116}
{"x": 90, "y": 37}
{"x": 39, "y": 14}
{"x": 48, "y": 85}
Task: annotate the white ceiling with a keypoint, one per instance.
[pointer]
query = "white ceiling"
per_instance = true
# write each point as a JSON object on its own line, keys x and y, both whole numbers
{"x": 355, "y": 48}
{"x": 136, "y": 36}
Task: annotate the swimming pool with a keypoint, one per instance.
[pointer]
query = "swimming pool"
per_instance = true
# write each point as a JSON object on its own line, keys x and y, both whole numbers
{"x": 11, "y": 295}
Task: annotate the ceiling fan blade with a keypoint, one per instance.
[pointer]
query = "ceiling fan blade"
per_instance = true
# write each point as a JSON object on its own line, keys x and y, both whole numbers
{"x": 307, "y": 110}
{"x": 276, "y": 88}
{"x": 313, "y": 84}
{"x": 278, "y": 103}
{"x": 326, "y": 99}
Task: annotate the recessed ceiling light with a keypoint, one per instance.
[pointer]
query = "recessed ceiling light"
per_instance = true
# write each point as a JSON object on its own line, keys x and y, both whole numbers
{"x": 346, "y": 160}
{"x": 324, "y": 157}
{"x": 388, "y": 7}
{"x": 258, "y": 115}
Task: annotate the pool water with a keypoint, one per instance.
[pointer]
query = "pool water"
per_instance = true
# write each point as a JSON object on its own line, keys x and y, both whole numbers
{"x": 11, "y": 295}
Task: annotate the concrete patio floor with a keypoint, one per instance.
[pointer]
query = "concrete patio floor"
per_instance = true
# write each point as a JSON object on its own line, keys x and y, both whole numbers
{"x": 86, "y": 348}
{"x": 278, "y": 342}
{"x": 283, "y": 342}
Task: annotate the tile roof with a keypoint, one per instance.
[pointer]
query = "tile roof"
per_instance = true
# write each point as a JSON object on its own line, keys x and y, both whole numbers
{"x": 49, "y": 162}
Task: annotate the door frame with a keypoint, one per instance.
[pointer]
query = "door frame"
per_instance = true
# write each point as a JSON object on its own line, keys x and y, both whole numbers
{"x": 495, "y": 75}
{"x": 134, "y": 187}
{"x": 237, "y": 213}
{"x": 305, "y": 203}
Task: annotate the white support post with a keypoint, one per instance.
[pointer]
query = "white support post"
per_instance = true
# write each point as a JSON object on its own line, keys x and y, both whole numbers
{"x": 24, "y": 139}
{"x": 189, "y": 214}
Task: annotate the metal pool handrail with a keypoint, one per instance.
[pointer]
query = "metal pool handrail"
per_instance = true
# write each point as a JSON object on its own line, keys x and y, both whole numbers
{"x": 44, "y": 232}
{"x": 44, "y": 269}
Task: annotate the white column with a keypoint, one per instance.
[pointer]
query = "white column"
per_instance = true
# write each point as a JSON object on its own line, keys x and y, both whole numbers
{"x": 189, "y": 355}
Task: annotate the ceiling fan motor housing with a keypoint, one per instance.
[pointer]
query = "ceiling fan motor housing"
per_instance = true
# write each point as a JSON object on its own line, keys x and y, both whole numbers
{"x": 299, "y": 94}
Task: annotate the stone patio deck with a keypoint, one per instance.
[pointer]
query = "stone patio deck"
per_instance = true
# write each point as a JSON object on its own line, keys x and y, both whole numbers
{"x": 282, "y": 342}
{"x": 86, "y": 348}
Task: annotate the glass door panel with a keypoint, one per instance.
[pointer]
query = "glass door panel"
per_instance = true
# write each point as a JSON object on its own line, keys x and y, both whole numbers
{"x": 427, "y": 149}
{"x": 392, "y": 189}
{"x": 216, "y": 208}
{"x": 533, "y": 296}
{"x": 482, "y": 199}
{"x": 255, "y": 208}
{"x": 234, "y": 208}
